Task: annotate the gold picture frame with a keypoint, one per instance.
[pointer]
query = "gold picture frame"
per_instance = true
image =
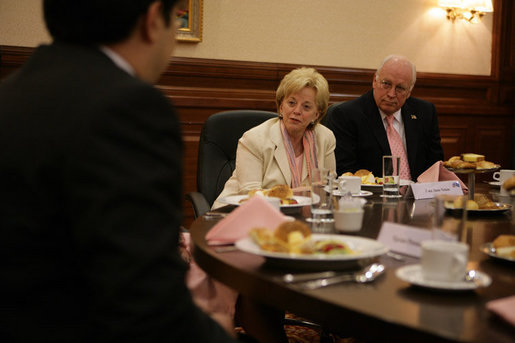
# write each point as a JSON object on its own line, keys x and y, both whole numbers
{"x": 190, "y": 26}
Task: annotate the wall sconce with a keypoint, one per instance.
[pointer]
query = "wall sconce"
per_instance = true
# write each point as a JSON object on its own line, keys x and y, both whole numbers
{"x": 469, "y": 10}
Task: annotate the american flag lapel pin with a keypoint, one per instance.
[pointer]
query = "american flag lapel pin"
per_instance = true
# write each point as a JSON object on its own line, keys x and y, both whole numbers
{"x": 413, "y": 116}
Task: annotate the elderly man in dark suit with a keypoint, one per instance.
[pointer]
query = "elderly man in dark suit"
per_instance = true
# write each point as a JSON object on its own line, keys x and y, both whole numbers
{"x": 90, "y": 184}
{"x": 386, "y": 121}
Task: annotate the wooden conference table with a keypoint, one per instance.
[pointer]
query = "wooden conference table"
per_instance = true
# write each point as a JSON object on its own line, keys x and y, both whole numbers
{"x": 388, "y": 309}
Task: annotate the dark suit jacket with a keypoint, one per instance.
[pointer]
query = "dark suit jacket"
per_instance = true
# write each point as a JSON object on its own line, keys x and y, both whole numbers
{"x": 361, "y": 140}
{"x": 90, "y": 207}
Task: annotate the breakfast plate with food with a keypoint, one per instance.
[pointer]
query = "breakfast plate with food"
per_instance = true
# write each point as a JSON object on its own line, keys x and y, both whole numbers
{"x": 283, "y": 192}
{"x": 295, "y": 201}
{"x": 292, "y": 245}
{"x": 503, "y": 248}
{"x": 369, "y": 180}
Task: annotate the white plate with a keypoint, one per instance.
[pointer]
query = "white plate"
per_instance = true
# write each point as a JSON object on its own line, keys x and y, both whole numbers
{"x": 413, "y": 274}
{"x": 364, "y": 249}
{"x": 402, "y": 183}
{"x": 488, "y": 248}
{"x": 360, "y": 194}
{"x": 235, "y": 200}
{"x": 501, "y": 207}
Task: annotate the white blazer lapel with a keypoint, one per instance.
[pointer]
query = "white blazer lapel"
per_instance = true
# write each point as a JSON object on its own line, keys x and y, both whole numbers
{"x": 280, "y": 155}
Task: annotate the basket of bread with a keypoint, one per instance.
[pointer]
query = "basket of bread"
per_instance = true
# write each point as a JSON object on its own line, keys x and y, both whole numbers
{"x": 469, "y": 163}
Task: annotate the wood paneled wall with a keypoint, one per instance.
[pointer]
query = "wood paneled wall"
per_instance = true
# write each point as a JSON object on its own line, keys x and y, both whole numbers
{"x": 476, "y": 113}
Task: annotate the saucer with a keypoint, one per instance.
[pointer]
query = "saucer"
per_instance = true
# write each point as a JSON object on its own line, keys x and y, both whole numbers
{"x": 495, "y": 183}
{"x": 413, "y": 274}
{"x": 360, "y": 194}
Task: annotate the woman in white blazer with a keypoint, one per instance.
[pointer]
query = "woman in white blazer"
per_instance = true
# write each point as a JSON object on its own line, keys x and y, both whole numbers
{"x": 283, "y": 150}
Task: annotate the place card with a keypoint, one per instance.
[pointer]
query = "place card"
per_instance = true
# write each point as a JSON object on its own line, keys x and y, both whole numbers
{"x": 428, "y": 190}
{"x": 403, "y": 239}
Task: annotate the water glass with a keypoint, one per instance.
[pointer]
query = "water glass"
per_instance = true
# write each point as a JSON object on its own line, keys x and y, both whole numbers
{"x": 391, "y": 178}
{"x": 321, "y": 183}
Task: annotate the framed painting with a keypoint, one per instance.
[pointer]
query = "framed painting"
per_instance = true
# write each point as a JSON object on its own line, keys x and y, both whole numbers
{"x": 190, "y": 21}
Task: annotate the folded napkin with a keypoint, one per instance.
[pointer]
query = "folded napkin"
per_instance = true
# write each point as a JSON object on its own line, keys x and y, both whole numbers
{"x": 503, "y": 307}
{"x": 437, "y": 172}
{"x": 255, "y": 212}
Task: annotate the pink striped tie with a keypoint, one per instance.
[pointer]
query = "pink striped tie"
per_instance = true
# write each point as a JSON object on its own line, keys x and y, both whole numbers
{"x": 397, "y": 148}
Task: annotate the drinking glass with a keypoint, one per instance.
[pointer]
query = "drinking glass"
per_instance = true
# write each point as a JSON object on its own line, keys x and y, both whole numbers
{"x": 391, "y": 178}
{"x": 321, "y": 184}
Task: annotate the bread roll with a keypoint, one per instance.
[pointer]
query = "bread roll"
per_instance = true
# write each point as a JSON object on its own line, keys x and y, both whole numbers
{"x": 481, "y": 199}
{"x": 253, "y": 192}
{"x": 472, "y": 205}
{"x": 362, "y": 172}
{"x": 266, "y": 240}
{"x": 283, "y": 231}
{"x": 485, "y": 165}
{"x": 504, "y": 241}
{"x": 505, "y": 246}
{"x": 280, "y": 191}
{"x": 470, "y": 157}
{"x": 465, "y": 165}
{"x": 509, "y": 184}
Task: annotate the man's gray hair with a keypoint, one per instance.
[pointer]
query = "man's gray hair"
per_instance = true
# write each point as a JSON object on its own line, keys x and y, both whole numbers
{"x": 400, "y": 58}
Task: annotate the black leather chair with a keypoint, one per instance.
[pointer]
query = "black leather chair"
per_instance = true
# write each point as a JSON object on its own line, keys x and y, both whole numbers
{"x": 217, "y": 153}
{"x": 330, "y": 112}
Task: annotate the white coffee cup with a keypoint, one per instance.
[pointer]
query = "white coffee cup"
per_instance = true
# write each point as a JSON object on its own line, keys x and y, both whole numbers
{"x": 348, "y": 220}
{"x": 501, "y": 176}
{"x": 349, "y": 184}
{"x": 444, "y": 260}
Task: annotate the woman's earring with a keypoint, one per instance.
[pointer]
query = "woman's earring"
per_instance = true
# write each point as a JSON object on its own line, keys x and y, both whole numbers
{"x": 312, "y": 122}
{"x": 280, "y": 116}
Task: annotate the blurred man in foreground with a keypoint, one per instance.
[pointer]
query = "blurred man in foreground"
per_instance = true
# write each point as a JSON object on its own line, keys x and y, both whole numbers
{"x": 90, "y": 184}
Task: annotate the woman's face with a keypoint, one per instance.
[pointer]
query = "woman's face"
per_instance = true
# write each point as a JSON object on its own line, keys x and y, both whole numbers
{"x": 299, "y": 110}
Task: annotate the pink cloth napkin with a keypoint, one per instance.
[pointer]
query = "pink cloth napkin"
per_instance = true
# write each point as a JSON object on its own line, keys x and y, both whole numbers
{"x": 504, "y": 307}
{"x": 255, "y": 212}
{"x": 437, "y": 172}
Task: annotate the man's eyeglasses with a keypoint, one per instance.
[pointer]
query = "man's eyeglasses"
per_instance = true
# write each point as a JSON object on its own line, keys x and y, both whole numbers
{"x": 399, "y": 90}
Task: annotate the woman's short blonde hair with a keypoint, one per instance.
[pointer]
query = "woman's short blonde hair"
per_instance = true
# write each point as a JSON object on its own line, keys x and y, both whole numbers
{"x": 299, "y": 78}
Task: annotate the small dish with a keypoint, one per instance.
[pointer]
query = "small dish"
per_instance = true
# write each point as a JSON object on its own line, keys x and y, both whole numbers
{"x": 413, "y": 274}
{"x": 488, "y": 248}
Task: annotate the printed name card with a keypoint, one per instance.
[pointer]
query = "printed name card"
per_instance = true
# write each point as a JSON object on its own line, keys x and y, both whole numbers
{"x": 429, "y": 190}
{"x": 403, "y": 239}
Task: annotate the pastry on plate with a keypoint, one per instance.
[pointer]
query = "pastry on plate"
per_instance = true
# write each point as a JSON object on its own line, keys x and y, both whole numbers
{"x": 280, "y": 191}
{"x": 505, "y": 246}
